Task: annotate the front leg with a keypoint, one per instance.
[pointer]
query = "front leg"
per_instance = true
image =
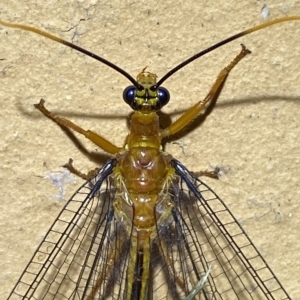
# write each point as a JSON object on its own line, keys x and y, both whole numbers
{"x": 100, "y": 141}
{"x": 194, "y": 111}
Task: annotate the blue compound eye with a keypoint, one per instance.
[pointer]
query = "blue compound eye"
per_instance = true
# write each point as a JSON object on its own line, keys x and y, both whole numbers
{"x": 163, "y": 96}
{"x": 129, "y": 94}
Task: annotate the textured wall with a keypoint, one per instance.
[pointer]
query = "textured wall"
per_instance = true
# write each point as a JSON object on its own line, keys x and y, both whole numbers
{"x": 252, "y": 134}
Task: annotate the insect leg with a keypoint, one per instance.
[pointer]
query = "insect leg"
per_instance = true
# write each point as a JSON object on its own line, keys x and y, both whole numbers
{"x": 170, "y": 265}
{"x": 72, "y": 169}
{"x": 192, "y": 112}
{"x": 101, "y": 283}
{"x": 215, "y": 174}
{"x": 92, "y": 136}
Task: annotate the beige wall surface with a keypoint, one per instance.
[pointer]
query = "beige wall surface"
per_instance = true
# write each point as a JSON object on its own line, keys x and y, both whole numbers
{"x": 252, "y": 135}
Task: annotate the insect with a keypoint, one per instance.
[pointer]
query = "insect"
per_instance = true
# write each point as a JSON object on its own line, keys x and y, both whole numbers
{"x": 143, "y": 226}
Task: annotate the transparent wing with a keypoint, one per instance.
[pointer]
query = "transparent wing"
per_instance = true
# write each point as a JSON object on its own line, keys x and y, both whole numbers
{"x": 72, "y": 261}
{"x": 206, "y": 234}
{"x": 86, "y": 252}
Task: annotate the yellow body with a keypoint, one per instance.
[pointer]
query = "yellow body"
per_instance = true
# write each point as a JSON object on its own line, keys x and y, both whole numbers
{"x": 142, "y": 175}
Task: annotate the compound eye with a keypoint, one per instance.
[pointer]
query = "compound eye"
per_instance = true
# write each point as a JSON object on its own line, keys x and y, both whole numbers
{"x": 129, "y": 94}
{"x": 163, "y": 96}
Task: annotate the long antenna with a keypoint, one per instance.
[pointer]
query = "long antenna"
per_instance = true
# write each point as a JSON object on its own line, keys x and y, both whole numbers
{"x": 219, "y": 44}
{"x": 171, "y": 72}
{"x": 75, "y": 47}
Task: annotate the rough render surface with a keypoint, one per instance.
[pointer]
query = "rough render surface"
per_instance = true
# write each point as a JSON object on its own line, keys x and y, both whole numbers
{"x": 253, "y": 133}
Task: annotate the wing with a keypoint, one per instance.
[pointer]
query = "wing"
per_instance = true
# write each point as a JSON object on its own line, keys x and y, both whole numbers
{"x": 72, "y": 261}
{"x": 86, "y": 252}
{"x": 205, "y": 234}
